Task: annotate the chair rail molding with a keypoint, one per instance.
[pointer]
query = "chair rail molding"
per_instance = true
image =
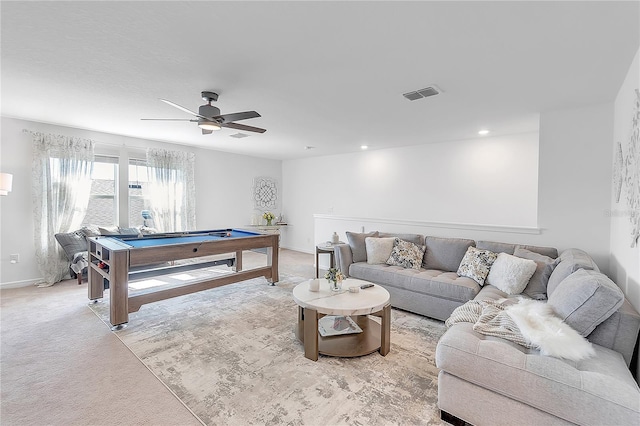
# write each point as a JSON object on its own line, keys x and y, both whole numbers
{"x": 425, "y": 224}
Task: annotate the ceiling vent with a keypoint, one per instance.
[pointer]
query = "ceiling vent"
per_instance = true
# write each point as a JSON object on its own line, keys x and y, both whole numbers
{"x": 238, "y": 135}
{"x": 422, "y": 93}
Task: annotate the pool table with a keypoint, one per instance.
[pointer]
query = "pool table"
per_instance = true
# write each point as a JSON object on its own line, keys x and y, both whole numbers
{"x": 114, "y": 259}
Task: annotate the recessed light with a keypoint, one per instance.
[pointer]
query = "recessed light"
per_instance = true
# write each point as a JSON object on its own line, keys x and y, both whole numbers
{"x": 483, "y": 132}
{"x": 363, "y": 147}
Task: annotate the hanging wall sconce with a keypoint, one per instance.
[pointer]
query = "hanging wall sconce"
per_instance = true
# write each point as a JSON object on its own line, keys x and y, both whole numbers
{"x": 6, "y": 183}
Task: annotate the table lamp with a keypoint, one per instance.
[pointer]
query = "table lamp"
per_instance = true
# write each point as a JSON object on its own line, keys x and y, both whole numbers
{"x": 6, "y": 183}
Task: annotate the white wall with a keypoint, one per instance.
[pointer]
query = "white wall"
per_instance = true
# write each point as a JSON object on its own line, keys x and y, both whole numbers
{"x": 490, "y": 181}
{"x": 550, "y": 189}
{"x": 223, "y": 188}
{"x": 625, "y": 260}
{"x": 575, "y": 179}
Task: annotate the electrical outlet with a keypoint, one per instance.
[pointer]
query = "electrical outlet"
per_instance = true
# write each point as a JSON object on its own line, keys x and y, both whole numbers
{"x": 14, "y": 258}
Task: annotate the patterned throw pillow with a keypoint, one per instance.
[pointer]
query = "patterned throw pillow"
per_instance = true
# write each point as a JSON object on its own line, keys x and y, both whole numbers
{"x": 476, "y": 264}
{"x": 406, "y": 254}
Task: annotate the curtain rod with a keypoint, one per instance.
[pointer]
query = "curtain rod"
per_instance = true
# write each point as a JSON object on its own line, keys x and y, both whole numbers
{"x": 141, "y": 148}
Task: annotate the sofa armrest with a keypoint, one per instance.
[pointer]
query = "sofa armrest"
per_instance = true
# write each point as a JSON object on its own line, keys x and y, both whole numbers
{"x": 619, "y": 332}
{"x": 72, "y": 243}
{"x": 344, "y": 257}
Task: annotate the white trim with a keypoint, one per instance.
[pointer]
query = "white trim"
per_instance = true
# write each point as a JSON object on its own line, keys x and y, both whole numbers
{"x": 448, "y": 225}
{"x": 18, "y": 284}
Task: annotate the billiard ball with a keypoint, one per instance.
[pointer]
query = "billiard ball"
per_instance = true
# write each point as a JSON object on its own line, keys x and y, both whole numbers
{"x": 228, "y": 234}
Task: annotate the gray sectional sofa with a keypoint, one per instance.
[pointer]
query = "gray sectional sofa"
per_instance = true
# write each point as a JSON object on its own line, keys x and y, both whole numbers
{"x": 487, "y": 380}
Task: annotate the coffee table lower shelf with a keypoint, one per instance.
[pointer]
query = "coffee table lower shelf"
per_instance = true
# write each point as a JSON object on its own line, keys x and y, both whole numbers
{"x": 346, "y": 345}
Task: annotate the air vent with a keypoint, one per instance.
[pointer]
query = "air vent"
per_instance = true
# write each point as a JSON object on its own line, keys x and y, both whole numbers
{"x": 238, "y": 135}
{"x": 422, "y": 93}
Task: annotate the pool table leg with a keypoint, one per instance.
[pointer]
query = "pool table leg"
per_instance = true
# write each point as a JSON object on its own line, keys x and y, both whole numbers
{"x": 119, "y": 289}
{"x": 272, "y": 261}
{"x": 238, "y": 266}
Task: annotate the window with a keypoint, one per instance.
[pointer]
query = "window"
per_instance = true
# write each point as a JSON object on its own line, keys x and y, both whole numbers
{"x": 137, "y": 185}
{"x": 103, "y": 205}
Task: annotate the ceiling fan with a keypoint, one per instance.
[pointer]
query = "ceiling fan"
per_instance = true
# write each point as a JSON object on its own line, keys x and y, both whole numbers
{"x": 209, "y": 118}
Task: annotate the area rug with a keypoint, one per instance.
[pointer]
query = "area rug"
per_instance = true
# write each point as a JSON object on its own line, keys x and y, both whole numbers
{"x": 231, "y": 355}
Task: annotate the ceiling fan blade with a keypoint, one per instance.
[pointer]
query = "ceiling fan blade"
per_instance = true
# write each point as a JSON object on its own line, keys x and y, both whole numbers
{"x": 168, "y": 119}
{"x": 184, "y": 109}
{"x": 237, "y": 116}
{"x": 243, "y": 127}
{"x": 206, "y": 132}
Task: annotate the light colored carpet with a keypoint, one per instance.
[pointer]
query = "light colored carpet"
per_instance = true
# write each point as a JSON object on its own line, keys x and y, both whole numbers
{"x": 61, "y": 366}
{"x": 231, "y": 355}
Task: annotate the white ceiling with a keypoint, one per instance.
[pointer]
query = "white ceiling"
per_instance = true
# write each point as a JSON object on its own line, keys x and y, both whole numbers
{"x": 325, "y": 74}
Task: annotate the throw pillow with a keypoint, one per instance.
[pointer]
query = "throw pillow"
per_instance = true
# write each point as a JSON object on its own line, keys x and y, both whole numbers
{"x": 90, "y": 231}
{"x": 406, "y": 254}
{"x": 537, "y": 287}
{"x": 585, "y": 299}
{"x": 511, "y": 274}
{"x": 571, "y": 260}
{"x": 476, "y": 264}
{"x": 378, "y": 249}
{"x": 356, "y": 242}
{"x": 128, "y": 231}
{"x": 109, "y": 230}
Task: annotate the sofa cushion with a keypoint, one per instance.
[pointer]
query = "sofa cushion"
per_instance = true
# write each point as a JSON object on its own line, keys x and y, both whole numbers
{"x": 440, "y": 284}
{"x": 511, "y": 274}
{"x": 356, "y": 242}
{"x": 600, "y": 389}
{"x": 509, "y": 248}
{"x": 537, "y": 286}
{"x": 416, "y": 239}
{"x": 476, "y": 264}
{"x": 378, "y": 249}
{"x": 570, "y": 261}
{"x": 445, "y": 254}
{"x": 585, "y": 299}
{"x": 495, "y": 246}
{"x": 406, "y": 254}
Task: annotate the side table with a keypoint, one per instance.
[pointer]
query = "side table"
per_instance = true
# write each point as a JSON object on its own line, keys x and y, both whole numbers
{"x": 326, "y": 248}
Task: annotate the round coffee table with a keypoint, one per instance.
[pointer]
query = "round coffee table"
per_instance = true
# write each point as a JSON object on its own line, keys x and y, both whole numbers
{"x": 313, "y": 305}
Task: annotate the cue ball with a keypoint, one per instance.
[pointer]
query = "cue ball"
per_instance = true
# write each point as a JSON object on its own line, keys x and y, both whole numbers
{"x": 228, "y": 234}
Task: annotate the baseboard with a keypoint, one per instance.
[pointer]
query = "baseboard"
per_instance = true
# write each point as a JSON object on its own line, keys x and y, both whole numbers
{"x": 18, "y": 284}
{"x": 300, "y": 249}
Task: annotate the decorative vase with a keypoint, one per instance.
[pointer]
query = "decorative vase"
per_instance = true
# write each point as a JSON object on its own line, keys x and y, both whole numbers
{"x": 269, "y": 222}
{"x": 335, "y": 285}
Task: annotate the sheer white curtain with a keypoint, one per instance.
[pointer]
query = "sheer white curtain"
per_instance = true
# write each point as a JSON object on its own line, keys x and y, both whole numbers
{"x": 171, "y": 190}
{"x": 61, "y": 187}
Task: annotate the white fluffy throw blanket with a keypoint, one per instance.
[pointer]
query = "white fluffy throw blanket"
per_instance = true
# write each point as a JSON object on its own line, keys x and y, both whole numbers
{"x": 529, "y": 323}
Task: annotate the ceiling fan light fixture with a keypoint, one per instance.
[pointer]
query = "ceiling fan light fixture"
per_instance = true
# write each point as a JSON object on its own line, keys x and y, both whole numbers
{"x": 208, "y": 125}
